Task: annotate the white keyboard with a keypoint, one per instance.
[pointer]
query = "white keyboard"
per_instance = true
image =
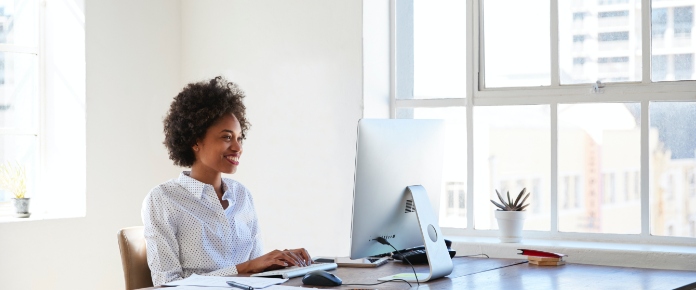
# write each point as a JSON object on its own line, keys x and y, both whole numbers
{"x": 295, "y": 271}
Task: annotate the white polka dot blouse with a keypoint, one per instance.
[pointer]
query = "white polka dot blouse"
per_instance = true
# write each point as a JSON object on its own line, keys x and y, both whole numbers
{"x": 187, "y": 231}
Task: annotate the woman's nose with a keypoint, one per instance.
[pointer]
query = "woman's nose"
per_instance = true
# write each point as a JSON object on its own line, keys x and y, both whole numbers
{"x": 237, "y": 146}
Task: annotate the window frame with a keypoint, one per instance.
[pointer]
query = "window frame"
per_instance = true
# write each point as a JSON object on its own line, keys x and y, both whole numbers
{"x": 643, "y": 92}
{"x": 39, "y": 131}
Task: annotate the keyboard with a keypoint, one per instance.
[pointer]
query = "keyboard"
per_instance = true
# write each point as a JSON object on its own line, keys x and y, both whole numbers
{"x": 295, "y": 271}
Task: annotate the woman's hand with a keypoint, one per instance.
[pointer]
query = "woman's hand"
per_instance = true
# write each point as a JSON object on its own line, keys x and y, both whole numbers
{"x": 276, "y": 260}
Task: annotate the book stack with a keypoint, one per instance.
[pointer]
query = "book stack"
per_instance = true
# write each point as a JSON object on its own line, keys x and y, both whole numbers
{"x": 543, "y": 258}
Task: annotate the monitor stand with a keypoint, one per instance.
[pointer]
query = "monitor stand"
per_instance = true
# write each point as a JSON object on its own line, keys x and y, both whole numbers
{"x": 438, "y": 256}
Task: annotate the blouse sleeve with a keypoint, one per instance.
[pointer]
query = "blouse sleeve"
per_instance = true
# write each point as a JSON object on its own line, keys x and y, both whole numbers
{"x": 257, "y": 250}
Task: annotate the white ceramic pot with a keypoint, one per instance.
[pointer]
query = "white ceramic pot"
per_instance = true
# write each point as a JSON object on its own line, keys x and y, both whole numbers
{"x": 510, "y": 224}
{"x": 21, "y": 207}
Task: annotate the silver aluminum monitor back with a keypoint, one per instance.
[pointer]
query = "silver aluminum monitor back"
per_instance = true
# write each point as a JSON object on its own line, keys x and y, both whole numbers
{"x": 392, "y": 154}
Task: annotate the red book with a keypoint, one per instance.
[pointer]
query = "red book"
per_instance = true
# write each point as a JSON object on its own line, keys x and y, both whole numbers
{"x": 528, "y": 252}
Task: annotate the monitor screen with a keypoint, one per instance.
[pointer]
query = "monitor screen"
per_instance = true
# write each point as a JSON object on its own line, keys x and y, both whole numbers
{"x": 391, "y": 155}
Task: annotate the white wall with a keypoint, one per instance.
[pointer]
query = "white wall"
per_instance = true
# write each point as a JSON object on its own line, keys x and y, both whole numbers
{"x": 133, "y": 70}
{"x": 300, "y": 64}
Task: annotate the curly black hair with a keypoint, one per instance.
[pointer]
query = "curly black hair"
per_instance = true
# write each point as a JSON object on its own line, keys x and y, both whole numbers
{"x": 195, "y": 109}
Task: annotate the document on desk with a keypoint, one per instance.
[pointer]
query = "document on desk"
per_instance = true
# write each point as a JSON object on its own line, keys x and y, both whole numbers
{"x": 217, "y": 281}
{"x": 274, "y": 287}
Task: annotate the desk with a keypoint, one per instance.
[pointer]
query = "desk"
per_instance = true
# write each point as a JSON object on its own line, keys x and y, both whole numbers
{"x": 471, "y": 273}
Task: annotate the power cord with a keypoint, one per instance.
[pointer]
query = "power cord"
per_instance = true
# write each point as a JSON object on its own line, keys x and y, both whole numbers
{"x": 393, "y": 280}
{"x": 472, "y": 256}
{"x": 384, "y": 241}
{"x": 515, "y": 264}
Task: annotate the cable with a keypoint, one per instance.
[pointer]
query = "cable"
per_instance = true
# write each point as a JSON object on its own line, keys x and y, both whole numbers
{"x": 393, "y": 280}
{"x": 482, "y": 254}
{"x": 384, "y": 241}
{"x": 495, "y": 268}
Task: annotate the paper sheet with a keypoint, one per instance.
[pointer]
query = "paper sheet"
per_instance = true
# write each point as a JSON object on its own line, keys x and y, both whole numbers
{"x": 217, "y": 281}
{"x": 274, "y": 287}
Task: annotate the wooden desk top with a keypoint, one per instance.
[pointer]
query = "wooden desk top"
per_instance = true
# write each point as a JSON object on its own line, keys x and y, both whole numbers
{"x": 476, "y": 273}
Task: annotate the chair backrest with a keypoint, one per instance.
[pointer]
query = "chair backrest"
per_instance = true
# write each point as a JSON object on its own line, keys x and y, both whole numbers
{"x": 136, "y": 272}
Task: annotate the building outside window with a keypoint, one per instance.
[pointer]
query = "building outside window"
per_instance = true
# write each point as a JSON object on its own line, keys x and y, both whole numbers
{"x": 683, "y": 21}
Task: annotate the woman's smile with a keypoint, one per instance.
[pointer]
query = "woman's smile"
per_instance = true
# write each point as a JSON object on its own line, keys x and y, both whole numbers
{"x": 233, "y": 158}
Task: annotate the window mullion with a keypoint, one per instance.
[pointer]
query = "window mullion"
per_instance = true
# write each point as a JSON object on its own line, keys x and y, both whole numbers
{"x": 554, "y": 168}
{"x": 472, "y": 86}
{"x": 644, "y": 169}
{"x": 646, "y": 47}
{"x": 555, "y": 69}
{"x": 479, "y": 54}
{"x": 392, "y": 59}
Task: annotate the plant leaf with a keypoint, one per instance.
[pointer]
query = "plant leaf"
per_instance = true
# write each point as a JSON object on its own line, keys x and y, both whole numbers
{"x": 520, "y": 196}
{"x": 525, "y": 198}
{"x": 522, "y": 208}
{"x": 500, "y": 197}
{"x": 498, "y": 205}
{"x": 509, "y": 201}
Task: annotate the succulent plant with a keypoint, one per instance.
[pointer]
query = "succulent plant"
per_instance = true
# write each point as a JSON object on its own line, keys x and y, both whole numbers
{"x": 517, "y": 205}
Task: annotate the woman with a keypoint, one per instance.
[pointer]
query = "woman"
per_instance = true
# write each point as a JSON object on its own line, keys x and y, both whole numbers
{"x": 200, "y": 222}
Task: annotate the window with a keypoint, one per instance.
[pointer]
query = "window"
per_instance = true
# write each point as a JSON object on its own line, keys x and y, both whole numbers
{"x": 659, "y": 22}
{"x": 613, "y": 18}
{"x": 611, "y": 2}
{"x": 42, "y": 104}
{"x": 579, "y": 61}
{"x": 612, "y": 59}
{"x": 659, "y": 67}
{"x": 19, "y": 89}
{"x": 683, "y": 21}
{"x": 673, "y": 159}
{"x": 527, "y": 64}
{"x": 612, "y": 14}
{"x": 578, "y": 16}
{"x": 683, "y": 66}
{"x": 613, "y": 36}
{"x": 587, "y": 118}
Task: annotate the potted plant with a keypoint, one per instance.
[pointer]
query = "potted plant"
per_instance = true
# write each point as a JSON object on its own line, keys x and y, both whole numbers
{"x": 510, "y": 216}
{"x": 13, "y": 178}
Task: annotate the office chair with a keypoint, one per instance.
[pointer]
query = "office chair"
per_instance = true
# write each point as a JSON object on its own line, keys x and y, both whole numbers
{"x": 136, "y": 272}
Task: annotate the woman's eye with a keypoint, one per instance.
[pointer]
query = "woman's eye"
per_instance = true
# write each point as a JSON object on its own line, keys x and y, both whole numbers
{"x": 228, "y": 138}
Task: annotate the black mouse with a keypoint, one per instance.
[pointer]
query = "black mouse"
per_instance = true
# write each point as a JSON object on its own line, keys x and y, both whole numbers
{"x": 321, "y": 278}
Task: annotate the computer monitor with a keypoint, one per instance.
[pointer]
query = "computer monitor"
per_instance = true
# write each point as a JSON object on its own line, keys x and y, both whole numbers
{"x": 398, "y": 163}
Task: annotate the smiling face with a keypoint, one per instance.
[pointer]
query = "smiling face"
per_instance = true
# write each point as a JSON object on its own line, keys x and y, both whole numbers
{"x": 220, "y": 148}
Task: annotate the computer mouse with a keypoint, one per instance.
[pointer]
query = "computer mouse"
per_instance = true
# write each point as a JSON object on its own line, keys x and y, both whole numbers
{"x": 321, "y": 278}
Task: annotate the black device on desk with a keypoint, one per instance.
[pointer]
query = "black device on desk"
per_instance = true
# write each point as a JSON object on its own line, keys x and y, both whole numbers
{"x": 417, "y": 255}
{"x": 321, "y": 278}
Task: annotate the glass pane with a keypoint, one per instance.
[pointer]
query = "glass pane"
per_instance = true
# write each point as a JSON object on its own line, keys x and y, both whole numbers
{"x": 18, "y": 91}
{"x": 673, "y": 169}
{"x": 22, "y": 149}
{"x": 19, "y": 22}
{"x": 672, "y": 45}
{"x": 517, "y": 43}
{"x": 439, "y": 49}
{"x": 512, "y": 151}
{"x": 600, "y": 40}
{"x": 599, "y": 168}
{"x": 453, "y": 194}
